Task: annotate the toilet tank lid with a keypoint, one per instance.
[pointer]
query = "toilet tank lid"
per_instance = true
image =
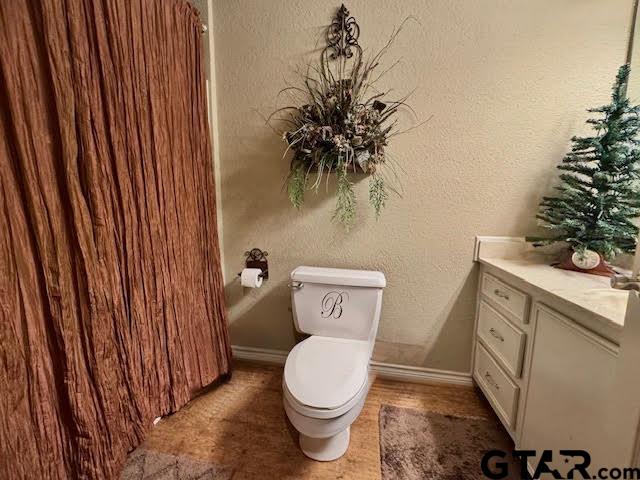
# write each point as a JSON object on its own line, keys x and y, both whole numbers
{"x": 339, "y": 276}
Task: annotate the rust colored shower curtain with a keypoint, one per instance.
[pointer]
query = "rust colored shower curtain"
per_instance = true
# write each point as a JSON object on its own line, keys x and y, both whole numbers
{"x": 111, "y": 296}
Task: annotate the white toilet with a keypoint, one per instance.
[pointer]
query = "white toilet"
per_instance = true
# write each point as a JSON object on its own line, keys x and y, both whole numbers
{"x": 326, "y": 377}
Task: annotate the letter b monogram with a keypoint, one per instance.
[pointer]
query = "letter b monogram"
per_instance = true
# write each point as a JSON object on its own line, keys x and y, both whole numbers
{"x": 332, "y": 304}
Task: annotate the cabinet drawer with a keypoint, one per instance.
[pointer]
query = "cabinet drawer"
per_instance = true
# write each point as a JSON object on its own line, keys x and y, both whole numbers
{"x": 501, "y": 338}
{"x": 500, "y": 390}
{"x": 508, "y": 298}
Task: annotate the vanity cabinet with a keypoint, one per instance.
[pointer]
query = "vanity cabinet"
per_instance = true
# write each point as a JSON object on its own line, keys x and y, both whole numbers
{"x": 547, "y": 376}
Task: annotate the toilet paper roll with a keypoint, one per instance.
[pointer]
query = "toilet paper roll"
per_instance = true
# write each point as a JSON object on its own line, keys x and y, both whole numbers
{"x": 250, "y": 277}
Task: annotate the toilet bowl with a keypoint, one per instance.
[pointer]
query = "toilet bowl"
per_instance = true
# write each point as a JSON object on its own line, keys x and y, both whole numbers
{"x": 326, "y": 376}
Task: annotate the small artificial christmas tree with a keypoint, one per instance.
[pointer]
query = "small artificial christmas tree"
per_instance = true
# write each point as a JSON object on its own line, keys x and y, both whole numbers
{"x": 600, "y": 192}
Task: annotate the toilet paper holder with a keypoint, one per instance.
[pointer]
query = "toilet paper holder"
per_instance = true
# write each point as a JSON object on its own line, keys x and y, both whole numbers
{"x": 257, "y": 258}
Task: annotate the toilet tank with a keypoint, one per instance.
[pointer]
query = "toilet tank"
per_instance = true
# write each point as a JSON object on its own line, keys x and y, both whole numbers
{"x": 334, "y": 302}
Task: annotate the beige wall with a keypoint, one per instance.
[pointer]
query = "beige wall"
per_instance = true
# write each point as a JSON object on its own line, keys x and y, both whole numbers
{"x": 507, "y": 83}
{"x": 634, "y": 83}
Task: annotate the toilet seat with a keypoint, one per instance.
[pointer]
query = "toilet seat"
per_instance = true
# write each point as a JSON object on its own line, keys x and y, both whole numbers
{"x": 324, "y": 413}
{"x": 324, "y": 376}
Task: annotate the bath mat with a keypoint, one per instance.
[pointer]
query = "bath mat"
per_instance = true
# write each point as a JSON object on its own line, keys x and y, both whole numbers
{"x": 150, "y": 465}
{"x": 428, "y": 446}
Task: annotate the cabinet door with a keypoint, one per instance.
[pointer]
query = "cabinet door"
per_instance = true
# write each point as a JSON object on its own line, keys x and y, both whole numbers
{"x": 570, "y": 383}
{"x": 624, "y": 404}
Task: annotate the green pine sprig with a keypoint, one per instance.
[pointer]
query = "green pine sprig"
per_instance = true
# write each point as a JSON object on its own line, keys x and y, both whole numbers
{"x": 377, "y": 194}
{"x": 345, "y": 211}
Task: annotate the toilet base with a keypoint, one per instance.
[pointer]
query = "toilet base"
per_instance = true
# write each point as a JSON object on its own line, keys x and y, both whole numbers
{"x": 325, "y": 449}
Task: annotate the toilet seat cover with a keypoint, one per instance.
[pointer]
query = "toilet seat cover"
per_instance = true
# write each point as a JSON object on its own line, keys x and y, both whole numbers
{"x": 324, "y": 372}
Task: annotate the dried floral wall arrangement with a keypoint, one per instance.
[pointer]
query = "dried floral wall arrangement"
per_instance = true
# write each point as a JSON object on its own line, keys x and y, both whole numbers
{"x": 344, "y": 124}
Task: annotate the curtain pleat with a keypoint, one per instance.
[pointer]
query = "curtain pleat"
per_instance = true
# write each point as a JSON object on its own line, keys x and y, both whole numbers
{"x": 111, "y": 296}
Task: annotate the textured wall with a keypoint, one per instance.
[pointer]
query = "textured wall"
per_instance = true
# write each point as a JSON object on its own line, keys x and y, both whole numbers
{"x": 507, "y": 83}
{"x": 634, "y": 87}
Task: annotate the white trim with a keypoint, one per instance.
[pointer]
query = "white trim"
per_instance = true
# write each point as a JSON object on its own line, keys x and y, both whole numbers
{"x": 264, "y": 355}
{"x": 407, "y": 373}
{"x": 403, "y": 373}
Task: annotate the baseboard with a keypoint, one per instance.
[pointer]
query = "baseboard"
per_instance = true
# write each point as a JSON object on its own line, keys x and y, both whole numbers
{"x": 407, "y": 373}
{"x": 390, "y": 371}
{"x": 263, "y": 355}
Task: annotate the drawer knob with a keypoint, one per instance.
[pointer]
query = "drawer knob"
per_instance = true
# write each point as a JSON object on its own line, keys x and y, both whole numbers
{"x": 499, "y": 293}
{"x": 495, "y": 334}
{"x": 491, "y": 381}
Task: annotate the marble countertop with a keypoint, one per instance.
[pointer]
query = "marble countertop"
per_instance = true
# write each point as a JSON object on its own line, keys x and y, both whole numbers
{"x": 588, "y": 298}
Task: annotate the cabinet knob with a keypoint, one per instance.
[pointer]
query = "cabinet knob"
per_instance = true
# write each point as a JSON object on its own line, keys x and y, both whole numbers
{"x": 495, "y": 334}
{"x": 491, "y": 381}
{"x": 499, "y": 293}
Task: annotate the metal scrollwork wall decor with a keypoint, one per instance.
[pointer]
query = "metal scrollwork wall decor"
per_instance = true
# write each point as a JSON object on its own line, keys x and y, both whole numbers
{"x": 342, "y": 34}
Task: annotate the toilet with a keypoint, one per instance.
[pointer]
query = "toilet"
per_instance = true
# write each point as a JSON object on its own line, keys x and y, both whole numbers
{"x": 326, "y": 376}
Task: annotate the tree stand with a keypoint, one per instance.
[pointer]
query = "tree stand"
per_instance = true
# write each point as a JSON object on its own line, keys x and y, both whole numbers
{"x": 567, "y": 262}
